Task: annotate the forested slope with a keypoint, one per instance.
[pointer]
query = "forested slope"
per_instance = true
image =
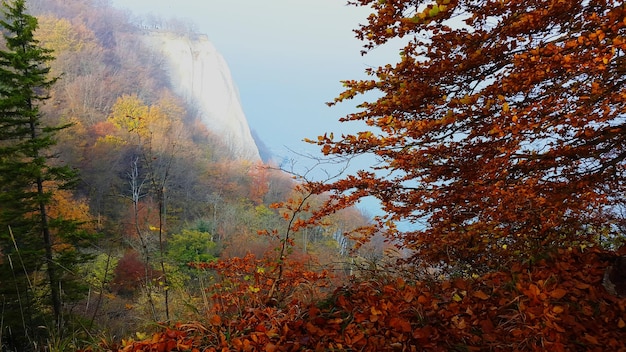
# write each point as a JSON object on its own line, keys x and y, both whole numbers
{"x": 156, "y": 189}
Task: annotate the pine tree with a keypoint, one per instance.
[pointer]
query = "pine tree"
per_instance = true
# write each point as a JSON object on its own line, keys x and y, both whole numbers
{"x": 28, "y": 178}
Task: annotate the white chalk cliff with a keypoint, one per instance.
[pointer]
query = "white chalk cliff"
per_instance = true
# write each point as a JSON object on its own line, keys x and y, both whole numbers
{"x": 199, "y": 73}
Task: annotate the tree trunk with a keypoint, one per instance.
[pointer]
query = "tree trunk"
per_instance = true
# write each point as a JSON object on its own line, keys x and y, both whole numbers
{"x": 614, "y": 280}
{"x": 55, "y": 293}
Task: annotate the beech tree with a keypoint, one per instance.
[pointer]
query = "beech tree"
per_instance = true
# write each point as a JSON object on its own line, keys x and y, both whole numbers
{"x": 500, "y": 132}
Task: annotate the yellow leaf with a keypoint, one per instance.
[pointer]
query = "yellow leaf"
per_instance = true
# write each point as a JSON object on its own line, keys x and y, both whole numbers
{"x": 466, "y": 100}
{"x": 457, "y": 298}
{"x": 505, "y": 107}
{"x": 434, "y": 11}
{"x": 365, "y": 135}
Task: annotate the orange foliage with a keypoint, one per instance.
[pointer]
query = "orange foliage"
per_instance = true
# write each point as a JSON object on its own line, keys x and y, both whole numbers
{"x": 229, "y": 177}
{"x": 557, "y": 304}
{"x": 64, "y": 206}
{"x": 500, "y": 131}
{"x": 259, "y": 183}
{"x": 244, "y": 283}
{"x": 102, "y": 129}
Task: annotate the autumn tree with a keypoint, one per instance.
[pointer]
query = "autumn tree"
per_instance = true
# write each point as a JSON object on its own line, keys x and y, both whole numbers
{"x": 500, "y": 130}
{"x": 151, "y": 135}
{"x": 33, "y": 239}
{"x": 81, "y": 95}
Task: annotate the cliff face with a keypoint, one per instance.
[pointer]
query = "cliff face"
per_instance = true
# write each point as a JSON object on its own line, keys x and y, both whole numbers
{"x": 199, "y": 73}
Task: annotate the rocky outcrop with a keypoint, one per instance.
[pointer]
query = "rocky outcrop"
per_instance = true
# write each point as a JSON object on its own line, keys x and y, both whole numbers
{"x": 199, "y": 73}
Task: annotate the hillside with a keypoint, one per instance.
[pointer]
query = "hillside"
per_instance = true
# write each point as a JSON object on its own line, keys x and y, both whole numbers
{"x": 169, "y": 174}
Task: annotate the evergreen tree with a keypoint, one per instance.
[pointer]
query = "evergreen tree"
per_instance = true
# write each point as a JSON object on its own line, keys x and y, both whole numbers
{"x": 33, "y": 269}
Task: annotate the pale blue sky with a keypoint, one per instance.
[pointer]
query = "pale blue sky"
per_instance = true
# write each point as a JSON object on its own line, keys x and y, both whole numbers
{"x": 286, "y": 56}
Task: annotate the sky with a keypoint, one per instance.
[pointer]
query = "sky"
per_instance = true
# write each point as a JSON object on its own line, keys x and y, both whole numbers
{"x": 287, "y": 57}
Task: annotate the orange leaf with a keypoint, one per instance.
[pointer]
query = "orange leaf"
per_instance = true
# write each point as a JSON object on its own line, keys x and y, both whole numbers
{"x": 215, "y": 320}
{"x": 558, "y": 328}
{"x": 400, "y": 324}
{"x": 486, "y": 325}
{"x": 481, "y": 295}
{"x": 459, "y": 323}
{"x": 591, "y": 339}
{"x": 558, "y": 293}
{"x": 409, "y": 295}
{"x": 582, "y": 286}
{"x": 314, "y": 311}
{"x": 532, "y": 291}
{"x": 422, "y": 299}
{"x": 342, "y": 302}
{"x": 358, "y": 337}
{"x": 360, "y": 317}
{"x": 313, "y": 330}
{"x": 422, "y": 333}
